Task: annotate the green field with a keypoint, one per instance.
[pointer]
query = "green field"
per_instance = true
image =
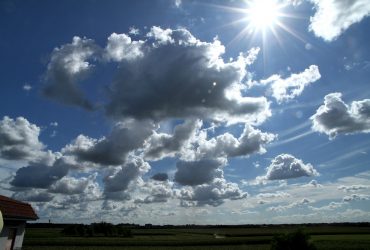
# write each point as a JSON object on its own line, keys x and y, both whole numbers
{"x": 324, "y": 237}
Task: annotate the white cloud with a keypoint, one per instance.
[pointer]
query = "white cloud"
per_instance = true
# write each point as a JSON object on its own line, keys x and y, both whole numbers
{"x": 356, "y": 197}
{"x": 178, "y": 3}
{"x": 134, "y": 31}
{"x": 353, "y": 188}
{"x": 293, "y": 86}
{"x": 120, "y": 47}
{"x": 333, "y": 17}
{"x": 335, "y": 116}
{"x": 159, "y": 192}
{"x": 68, "y": 65}
{"x": 213, "y": 194}
{"x": 226, "y": 145}
{"x": 281, "y": 208}
{"x": 19, "y": 140}
{"x": 27, "y": 87}
{"x": 71, "y": 185}
{"x": 275, "y": 195}
{"x": 33, "y": 195}
{"x": 286, "y": 166}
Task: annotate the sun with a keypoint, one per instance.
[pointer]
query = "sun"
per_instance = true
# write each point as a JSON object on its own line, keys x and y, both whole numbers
{"x": 262, "y": 14}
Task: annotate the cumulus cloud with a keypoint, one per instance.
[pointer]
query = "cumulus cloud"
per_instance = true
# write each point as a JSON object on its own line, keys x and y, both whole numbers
{"x": 41, "y": 176}
{"x": 192, "y": 80}
{"x": 354, "y": 188}
{"x": 356, "y": 197}
{"x": 70, "y": 185}
{"x": 282, "y": 208}
{"x": 161, "y": 145}
{"x": 158, "y": 192}
{"x": 120, "y": 47}
{"x": 68, "y": 65}
{"x": 118, "y": 180}
{"x": 33, "y": 195}
{"x": 286, "y": 166}
{"x": 336, "y": 117}
{"x": 293, "y": 86}
{"x": 198, "y": 172}
{"x": 226, "y": 145}
{"x": 275, "y": 195}
{"x": 333, "y": 17}
{"x": 213, "y": 194}
{"x": 312, "y": 183}
{"x": 113, "y": 149}
{"x": 19, "y": 139}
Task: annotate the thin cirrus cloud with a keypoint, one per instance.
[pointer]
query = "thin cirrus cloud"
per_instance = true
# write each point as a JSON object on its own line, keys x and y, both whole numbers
{"x": 336, "y": 117}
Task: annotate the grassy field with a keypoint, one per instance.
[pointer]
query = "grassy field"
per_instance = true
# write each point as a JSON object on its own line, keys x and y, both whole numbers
{"x": 324, "y": 237}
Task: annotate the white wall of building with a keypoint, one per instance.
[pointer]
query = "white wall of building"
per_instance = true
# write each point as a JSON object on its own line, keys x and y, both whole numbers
{"x": 19, "y": 237}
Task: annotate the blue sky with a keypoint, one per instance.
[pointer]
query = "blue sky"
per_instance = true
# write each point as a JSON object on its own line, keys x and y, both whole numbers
{"x": 176, "y": 112}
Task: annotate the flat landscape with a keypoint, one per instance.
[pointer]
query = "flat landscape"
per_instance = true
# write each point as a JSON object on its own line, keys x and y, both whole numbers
{"x": 210, "y": 237}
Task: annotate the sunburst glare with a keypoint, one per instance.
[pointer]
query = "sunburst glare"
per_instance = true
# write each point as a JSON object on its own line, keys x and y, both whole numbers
{"x": 262, "y": 14}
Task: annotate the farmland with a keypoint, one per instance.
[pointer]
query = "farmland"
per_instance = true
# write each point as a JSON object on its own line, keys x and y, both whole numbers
{"x": 197, "y": 237}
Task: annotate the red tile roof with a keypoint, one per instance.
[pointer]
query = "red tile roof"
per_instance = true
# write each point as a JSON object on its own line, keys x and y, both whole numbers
{"x": 13, "y": 209}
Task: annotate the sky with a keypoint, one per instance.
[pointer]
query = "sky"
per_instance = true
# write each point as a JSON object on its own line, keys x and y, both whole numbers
{"x": 186, "y": 112}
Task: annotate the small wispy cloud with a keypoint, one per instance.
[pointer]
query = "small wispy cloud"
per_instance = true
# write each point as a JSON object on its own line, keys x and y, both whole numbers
{"x": 27, "y": 87}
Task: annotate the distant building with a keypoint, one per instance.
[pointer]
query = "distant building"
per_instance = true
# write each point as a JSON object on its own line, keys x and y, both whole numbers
{"x": 15, "y": 214}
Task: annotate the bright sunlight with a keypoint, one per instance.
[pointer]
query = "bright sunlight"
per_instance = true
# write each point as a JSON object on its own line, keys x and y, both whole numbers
{"x": 262, "y": 14}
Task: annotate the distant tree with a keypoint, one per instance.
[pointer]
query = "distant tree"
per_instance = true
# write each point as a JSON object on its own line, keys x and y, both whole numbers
{"x": 97, "y": 229}
{"x": 296, "y": 240}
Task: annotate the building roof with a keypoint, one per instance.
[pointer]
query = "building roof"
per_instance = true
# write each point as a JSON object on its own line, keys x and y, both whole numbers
{"x": 13, "y": 209}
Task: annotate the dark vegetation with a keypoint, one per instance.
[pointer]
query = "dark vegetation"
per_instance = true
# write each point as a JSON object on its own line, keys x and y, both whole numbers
{"x": 292, "y": 241}
{"x": 354, "y": 236}
{"x": 96, "y": 229}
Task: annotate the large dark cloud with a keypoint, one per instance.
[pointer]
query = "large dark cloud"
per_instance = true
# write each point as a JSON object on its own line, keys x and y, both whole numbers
{"x": 119, "y": 179}
{"x": 113, "y": 149}
{"x": 198, "y": 172}
{"x": 160, "y": 177}
{"x": 190, "y": 80}
{"x": 40, "y": 176}
{"x": 336, "y": 117}
{"x": 162, "y": 145}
